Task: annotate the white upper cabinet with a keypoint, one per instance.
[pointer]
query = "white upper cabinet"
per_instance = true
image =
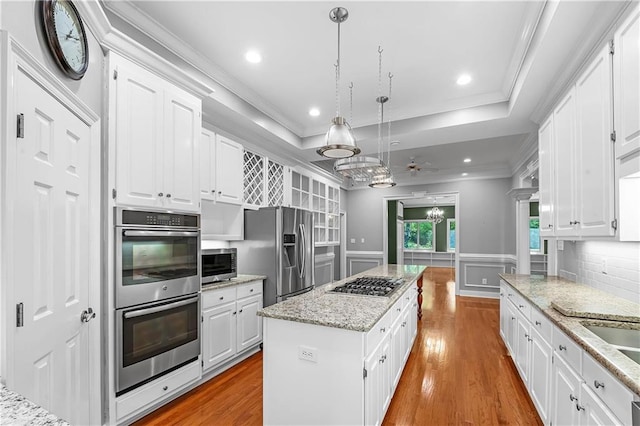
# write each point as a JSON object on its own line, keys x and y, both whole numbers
{"x": 576, "y": 158}
{"x": 229, "y": 171}
{"x": 156, "y": 130}
{"x": 564, "y": 139}
{"x": 594, "y": 149}
{"x": 220, "y": 168}
{"x": 626, "y": 64}
{"x": 546, "y": 176}
{"x": 207, "y": 165}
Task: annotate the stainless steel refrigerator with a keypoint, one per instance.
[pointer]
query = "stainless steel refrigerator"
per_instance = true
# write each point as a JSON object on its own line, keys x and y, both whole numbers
{"x": 278, "y": 242}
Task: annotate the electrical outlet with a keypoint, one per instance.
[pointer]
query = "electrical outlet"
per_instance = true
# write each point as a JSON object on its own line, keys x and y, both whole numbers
{"x": 362, "y": 240}
{"x": 484, "y": 281}
{"x": 352, "y": 240}
{"x": 560, "y": 245}
{"x": 308, "y": 353}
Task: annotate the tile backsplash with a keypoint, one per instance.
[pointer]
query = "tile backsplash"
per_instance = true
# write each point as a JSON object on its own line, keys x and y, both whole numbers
{"x": 610, "y": 266}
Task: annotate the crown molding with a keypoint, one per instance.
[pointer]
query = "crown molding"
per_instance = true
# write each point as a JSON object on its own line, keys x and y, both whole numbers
{"x": 572, "y": 68}
{"x": 151, "y": 28}
{"x": 112, "y": 39}
{"x": 527, "y": 150}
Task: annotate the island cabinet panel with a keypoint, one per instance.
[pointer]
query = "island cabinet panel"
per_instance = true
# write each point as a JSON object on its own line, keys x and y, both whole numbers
{"x": 315, "y": 374}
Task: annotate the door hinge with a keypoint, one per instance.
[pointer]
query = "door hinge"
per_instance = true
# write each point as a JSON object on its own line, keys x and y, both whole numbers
{"x": 202, "y": 318}
{"x": 613, "y": 136}
{"x": 202, "y": 362}
{"x": 612, "y": 48}
{"x": 614, "y": 224}
{"x": 364, "y": 373}
{"x": 19, "y": 315}
{"x": 20, "y": 126}
{"x": 115, "y": 74}
{"x": 114, "y": 193}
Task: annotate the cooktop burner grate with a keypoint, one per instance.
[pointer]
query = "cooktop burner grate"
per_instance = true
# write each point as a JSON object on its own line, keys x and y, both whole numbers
{"x": 370, "y": 286}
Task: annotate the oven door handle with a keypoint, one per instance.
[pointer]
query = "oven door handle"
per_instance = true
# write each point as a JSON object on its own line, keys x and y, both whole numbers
{"x": 147, "y": 311}
{"x": 132, "y": 233}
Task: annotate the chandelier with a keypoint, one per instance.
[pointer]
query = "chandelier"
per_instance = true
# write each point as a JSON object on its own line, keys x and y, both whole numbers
{"x": 339, "y": 141}
{"x": 435, "y": 215}
{"x": 362, "y": 168}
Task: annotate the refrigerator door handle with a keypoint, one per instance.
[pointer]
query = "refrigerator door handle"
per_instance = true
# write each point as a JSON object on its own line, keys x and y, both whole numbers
{"x": 303, "y": 236}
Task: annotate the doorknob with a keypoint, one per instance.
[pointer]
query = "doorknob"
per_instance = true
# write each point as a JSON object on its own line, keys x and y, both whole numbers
{"x": 87, "y": 315}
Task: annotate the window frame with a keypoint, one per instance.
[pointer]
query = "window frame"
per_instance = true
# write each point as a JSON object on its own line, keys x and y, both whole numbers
{"x": 423, "y": 250}
{"x": 540, "y": 243}
{"x": 449, "y": 249}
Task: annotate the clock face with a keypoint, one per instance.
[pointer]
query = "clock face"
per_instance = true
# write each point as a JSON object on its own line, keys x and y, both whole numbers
{"x": 66, "y": 36}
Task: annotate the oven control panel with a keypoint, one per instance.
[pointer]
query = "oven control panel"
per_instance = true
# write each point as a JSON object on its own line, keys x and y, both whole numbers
{"x": 160, "y": 219}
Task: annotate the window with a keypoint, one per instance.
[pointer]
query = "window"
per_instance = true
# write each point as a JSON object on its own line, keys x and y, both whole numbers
{"x": 451, "y": 235}
{"x": 534, "y": 235}
{"x": 419, "y": 235}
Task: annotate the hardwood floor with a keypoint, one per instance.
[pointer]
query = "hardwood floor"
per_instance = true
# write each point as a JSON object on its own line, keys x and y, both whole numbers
{"x": 458, "y": 373}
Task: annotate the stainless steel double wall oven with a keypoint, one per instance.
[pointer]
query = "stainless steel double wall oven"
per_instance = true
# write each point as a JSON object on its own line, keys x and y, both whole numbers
{"x": 157, "y": 294}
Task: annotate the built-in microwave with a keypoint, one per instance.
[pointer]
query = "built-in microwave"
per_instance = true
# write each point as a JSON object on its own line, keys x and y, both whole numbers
{"x": 218, "y": 264}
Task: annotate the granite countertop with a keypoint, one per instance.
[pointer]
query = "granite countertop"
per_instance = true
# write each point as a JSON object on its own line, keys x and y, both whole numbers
{"x": 585, "y": 305}
{"x": 346, "y": 311}
{"x": 240, "y": 279}
{"x": 18, "y": 410}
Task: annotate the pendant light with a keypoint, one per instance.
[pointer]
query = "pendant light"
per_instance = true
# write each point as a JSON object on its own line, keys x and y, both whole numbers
{"x": 339, "y": 141}
{"x": 384, "y": 180}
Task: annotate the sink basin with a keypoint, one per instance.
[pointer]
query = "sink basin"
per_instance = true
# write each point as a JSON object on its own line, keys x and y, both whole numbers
{"x": 625, "y": 340}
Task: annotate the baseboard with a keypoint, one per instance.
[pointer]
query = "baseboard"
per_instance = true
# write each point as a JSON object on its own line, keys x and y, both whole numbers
{"x": 481, "y": 294}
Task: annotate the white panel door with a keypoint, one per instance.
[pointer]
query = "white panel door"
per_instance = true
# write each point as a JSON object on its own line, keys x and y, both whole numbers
{"x": 594, "y": 412}
{"x": 139, "y": 135}
{"x": 51, "y": 255}
{"x": 522, "y": 351}
{"x": 207, "y": 165}
{"x": 181, "y": 154}
{"x": 564, "y": 123}
{"x": 249, "y": 323}
{"x": 627, "y": 85}
{"x": 373, "y": 389}
{"x": 229, "y": 171}
{"x": 594, "y": 149}
{"x": 546, "y": 176}
{"x": 219, "y": 334}
{"x": 397, "y": 348}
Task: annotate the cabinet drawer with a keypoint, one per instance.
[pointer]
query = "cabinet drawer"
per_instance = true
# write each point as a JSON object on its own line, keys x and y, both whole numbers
{"x": 250, "y": 289}
{"x": 519, "y": 302}
{"x": 541, "y": 323}
{"x": 140, "y": 399}
{"x": 379, "y": 331}
{"x": 613, "y": 393}
{"x": 218, "y": 297}
{"x": 568, "y": 349}
{"x": 408, "y": 297}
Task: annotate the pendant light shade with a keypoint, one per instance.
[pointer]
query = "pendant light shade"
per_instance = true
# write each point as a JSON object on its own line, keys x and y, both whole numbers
{"x": 339, "y": 141}
{"x": 382, "y": 181}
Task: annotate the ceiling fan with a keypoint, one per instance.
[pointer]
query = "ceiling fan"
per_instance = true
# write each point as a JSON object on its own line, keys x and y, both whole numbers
{"x": 413, "y": 168}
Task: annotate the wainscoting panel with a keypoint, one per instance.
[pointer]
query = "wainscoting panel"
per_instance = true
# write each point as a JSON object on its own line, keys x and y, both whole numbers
{"x": 439, "y": 259}
{"x": 323, "y": 269}
{"x": 360, "y": 261}
{"x": 476, "y": 267}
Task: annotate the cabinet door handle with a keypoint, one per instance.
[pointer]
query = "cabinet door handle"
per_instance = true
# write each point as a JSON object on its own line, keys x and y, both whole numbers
{"x": 398, "y": 309}
{"x": 598, "y": 384}
{"x": 538, "y": 323}
{"x": 512, "y": 318}
{"x": 219, "y": 192}
{"x": 165, "y": 388}
{"x": 526, "y": 335}
{"x": 572, "y": 398}
{"x": 382, "y": 330}
{"x": 579, "y": 407}
{"x": 221, "y": 297}
{"x": 510, "y": 294}
{"x": 168, "y": 195}
{"x": 521, "y": 306}
{"x": 250, "y": 290}
{"x": 240, "y": 310}
{"x": 160, "y": 194}
{"x": 234, "y": 313}
{"x": 562, "y": 347}
{"x": 550, "y": 226}
{"x": 213, "y": 191}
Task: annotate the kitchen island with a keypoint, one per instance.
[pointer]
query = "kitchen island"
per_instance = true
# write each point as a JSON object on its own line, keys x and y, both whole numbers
{"x": 334, "y": 358}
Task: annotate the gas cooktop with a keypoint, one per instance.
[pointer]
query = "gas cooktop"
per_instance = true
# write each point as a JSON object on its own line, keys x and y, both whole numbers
{"x": 370, "y": 286}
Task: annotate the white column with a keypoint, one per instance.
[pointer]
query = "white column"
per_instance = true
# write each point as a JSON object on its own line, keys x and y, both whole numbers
{"x": 522, "y": 238}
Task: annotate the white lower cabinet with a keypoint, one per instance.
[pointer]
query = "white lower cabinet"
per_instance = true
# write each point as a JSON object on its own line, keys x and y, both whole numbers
{"x": 566, "y": 385}
{"x": 230, "y": 324}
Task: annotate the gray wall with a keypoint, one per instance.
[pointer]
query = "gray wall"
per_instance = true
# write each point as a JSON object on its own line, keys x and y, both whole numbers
{"x": 486, "y": 215}
{"x": 21, "y": 20}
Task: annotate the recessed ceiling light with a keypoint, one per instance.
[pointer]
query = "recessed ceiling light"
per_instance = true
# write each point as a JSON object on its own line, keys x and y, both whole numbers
{"x": 314, "y": 112}
{"x": 464, "y": 79}
{"x": 465, "y": 174}
{"x": 253, "y": 56}
{"x": 467, "y": 160}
